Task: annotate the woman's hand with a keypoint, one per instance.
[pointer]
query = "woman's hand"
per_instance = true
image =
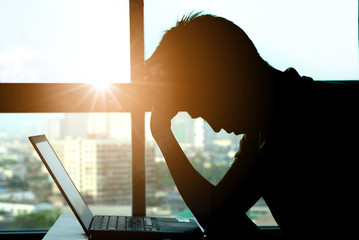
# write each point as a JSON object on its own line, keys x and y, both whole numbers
{"x": 161, "y": 117}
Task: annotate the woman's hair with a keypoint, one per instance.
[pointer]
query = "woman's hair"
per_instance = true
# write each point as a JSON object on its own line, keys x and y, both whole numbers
{"x": 206, "y": 50}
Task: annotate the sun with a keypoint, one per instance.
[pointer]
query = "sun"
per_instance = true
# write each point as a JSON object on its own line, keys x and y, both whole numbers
{"x": 101, "y": 86}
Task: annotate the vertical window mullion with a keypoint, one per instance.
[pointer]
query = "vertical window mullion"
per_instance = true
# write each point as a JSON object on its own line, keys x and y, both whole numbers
{"x": 137, "y": 115}
{"x": 138, "y": 165}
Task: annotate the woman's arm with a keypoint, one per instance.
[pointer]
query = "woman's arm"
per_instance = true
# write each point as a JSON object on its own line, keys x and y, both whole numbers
{"x": 237, "y": 191}
{"x": 193, "y": 187}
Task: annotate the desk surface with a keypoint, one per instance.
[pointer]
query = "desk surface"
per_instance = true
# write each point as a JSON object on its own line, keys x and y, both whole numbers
{"x": 66, "y": 227}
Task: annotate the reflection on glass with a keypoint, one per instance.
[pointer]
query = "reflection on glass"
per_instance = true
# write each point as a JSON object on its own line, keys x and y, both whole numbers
{"x": 95, "y": 149}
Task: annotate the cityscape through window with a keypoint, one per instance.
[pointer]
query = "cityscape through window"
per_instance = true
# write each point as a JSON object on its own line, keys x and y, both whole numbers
{"x": 95, "y": 149}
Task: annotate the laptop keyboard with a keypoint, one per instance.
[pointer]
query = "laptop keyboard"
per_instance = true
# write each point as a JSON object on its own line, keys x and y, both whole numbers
{"x": 123, "y": 223}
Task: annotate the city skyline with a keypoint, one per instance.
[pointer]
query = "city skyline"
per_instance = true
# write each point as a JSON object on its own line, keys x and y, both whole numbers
{"x": 95, "y": 156}
{"x": 111, "y": 125}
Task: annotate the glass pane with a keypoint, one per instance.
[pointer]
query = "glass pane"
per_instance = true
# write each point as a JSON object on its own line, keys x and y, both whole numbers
{"x": 318, "y": 38}
{"x": 209, "y": 152}
{"x": 64, "y": 41}
{"x": 95, "y": 149}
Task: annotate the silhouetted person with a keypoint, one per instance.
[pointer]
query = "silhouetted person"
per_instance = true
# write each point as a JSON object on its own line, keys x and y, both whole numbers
{"x": 300, "y": 149}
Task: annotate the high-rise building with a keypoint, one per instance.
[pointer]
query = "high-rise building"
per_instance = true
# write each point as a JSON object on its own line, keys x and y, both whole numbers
{"x": 101, "y": 169}
{"x": 199, "y": 133}
{"x": 98, "y": 124}
{"x": 75, "y": 125}
{"x": 183, "y": 129}
{"x": 151, "y": 171}
{"x": 114, "y": 175}
{"x": 54, "y": 128}
{"x": 120, "y": 127}
{"x": 68, "y": 150}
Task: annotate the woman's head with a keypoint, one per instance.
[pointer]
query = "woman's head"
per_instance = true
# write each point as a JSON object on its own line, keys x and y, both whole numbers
{"x": 203, "y": 63}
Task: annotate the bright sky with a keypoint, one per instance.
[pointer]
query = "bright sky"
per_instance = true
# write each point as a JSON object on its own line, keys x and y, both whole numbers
{"x": 317, "y": 37}
{"x": 88, "y": 40}
{"x": 64, "y": 41}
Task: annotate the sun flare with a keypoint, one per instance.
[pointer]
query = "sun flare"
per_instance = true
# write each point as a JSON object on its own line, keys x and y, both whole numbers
{"x": 101, "y": 86}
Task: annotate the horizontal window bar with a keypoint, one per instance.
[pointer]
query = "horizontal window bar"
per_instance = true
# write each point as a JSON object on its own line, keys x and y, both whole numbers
{"x": 80, "y": 97}
{"x": 73, "y": 97}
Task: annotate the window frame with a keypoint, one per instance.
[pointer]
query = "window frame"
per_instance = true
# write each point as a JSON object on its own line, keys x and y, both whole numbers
{"x": 82, "y": 97}
{"x": 130, "y": 97}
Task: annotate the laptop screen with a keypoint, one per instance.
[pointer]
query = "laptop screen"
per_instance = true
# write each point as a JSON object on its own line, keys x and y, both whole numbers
{"x": 63, "y": 180}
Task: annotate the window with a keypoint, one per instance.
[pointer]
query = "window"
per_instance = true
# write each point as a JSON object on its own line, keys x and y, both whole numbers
{"x": 51, "y": 50}
{"x": 95, "y": 149}
{"x": 69, "y": 47}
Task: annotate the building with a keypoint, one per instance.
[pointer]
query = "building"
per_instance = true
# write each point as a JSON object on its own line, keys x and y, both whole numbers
{"x": 54, "y": 128}
{"x": 100, "y": 168}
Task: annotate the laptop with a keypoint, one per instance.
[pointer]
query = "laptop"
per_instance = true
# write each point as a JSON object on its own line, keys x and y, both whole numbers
{"x": 110, "y": 227}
